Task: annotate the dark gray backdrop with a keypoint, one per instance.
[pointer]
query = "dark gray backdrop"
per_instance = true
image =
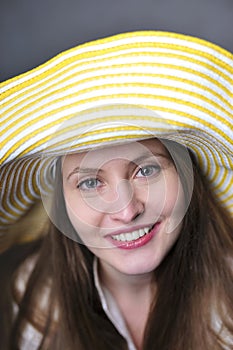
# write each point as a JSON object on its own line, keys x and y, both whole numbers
{"x": 32, "y": 31}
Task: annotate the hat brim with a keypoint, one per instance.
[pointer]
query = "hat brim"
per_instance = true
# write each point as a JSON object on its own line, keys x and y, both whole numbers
{"x": 119, "y": 89}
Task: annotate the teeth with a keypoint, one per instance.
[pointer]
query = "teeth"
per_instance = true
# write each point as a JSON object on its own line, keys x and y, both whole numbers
{"x": 128, "y": 237}
{"x": 131, "y": 236}
{"x": 141, "y": 233}
{"x": 122, "y": 237}
{"x": 135, "y": 234}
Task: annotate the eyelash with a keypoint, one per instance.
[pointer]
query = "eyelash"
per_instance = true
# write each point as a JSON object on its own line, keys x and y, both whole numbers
{"x": 84, "y": 186}
{"x": 156, "y": 169}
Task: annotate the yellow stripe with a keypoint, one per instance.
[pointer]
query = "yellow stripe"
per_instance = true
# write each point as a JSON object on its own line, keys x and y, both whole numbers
{"x": 46, "y": 139}
{"x": 109, "y": 139}
{"x": 119, "y": 37}
{"x": 219, "y": 168}
{"x": 165, "y": 34}
{"x": 228, "y": 199}
{"x": 199, "y": 153}
{"x": 128, "y": 96}
{"x": 100, "y": 52}
{"x": 96, "y": 132}
{"x": 154, "y": 34}
{"x": 17, "y": 172}
{"x": 57, "y": 122}
{"x": 43, "y": 176}
{"x": 104, "y": 120}
{"x": 221, "y": 182}
{"x": 88, "y": 80}
{"x": 215, "y": 154}
{"x": 223, "y": 121}
{"x": 10, "y": 196}
{"x": 106, "y": 86}
{"x": 8, "y": 190}
{"x": 154, "y": 130}
{"x": 28, "y": 175}
{"x": 119, "y": 49}
{"x": 11, "y": 211}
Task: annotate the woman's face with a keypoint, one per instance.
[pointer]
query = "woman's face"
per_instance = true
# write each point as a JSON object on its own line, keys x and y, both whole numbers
{"x": 126, "y": 203}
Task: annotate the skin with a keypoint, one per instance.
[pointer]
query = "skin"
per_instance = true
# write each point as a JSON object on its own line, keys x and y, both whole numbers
{"x": 121, "y": 195}
{"x": 117, "y": 190}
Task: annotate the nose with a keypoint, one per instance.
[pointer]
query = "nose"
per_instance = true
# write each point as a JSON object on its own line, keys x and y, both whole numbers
{"x": 128, "y": 205}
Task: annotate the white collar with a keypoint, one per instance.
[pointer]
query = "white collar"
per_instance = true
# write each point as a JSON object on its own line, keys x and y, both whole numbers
{"x": 111, "y": 308}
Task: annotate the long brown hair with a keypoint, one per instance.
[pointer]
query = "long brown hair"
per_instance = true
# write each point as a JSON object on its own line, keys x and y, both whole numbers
{"x": 193, "y": 306}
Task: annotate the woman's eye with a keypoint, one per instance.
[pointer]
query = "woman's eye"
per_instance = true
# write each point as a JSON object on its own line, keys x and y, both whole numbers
{"x": 89, "y": 184}
{"x": 148, "y": 170}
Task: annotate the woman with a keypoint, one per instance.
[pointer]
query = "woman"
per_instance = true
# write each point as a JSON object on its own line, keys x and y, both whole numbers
{"x": 136, "y": 130}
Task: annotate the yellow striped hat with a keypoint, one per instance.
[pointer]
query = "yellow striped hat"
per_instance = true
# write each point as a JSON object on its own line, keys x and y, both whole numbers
{"x": 116, "y": 89}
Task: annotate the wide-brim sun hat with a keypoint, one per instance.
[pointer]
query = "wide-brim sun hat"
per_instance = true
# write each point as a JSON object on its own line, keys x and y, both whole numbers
{"x": 122, "y": 88}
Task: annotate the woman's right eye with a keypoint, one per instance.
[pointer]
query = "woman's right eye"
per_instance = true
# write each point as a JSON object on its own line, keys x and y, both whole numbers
{"x": 89, "y": 184}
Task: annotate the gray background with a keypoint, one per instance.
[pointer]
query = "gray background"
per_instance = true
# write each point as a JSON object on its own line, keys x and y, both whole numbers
{"x": 32, "y": 31}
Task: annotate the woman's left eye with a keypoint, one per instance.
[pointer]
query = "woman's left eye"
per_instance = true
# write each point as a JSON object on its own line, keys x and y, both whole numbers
{"x": 148, "y": 170}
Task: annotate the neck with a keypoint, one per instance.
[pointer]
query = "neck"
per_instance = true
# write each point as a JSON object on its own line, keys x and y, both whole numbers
{"x": 121, "y": 284}
{"x": 133, "y": 294}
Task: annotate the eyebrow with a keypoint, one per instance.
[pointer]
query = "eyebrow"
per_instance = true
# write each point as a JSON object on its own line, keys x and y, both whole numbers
{"x": 83, "y": 171}
{"x": 134, "y": 161}
{"x": 148, "y": 155}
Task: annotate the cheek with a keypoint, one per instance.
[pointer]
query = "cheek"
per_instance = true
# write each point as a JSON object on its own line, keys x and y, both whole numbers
{"x": 75, "y": 204}
{"x": 82, "y": 223}
{"x": 75, "y": 208}
{"x": 175, "y": 207}
{"x": 166, "y": 199}
{"x": 174, "y": 199}
{"x": 85, "y": 219}
{"x": 165, "y": 194}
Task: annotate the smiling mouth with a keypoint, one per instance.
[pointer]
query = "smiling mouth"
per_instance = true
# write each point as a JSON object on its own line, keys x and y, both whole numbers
{"x": 132, "y": 236}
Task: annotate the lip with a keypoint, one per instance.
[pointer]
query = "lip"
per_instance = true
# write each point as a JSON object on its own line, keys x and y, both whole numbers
{"x": 141, "y": 241}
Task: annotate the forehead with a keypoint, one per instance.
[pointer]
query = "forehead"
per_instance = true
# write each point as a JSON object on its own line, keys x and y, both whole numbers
{"x": 127, "y": 151}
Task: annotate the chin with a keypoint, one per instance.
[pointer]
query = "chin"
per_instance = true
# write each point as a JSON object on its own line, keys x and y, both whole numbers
{"x": 139, "y": 268}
